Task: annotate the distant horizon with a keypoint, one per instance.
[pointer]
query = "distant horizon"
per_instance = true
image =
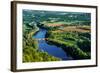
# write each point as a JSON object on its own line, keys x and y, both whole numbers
{"x": 57, "y": 11}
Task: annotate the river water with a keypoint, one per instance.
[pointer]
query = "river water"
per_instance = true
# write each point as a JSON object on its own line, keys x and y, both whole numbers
{"x": 50, "y": 49}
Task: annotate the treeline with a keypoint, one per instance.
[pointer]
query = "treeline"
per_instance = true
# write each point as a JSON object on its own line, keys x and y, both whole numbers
{"x": 31, "y": 52}
{"x": 77, "y": 45}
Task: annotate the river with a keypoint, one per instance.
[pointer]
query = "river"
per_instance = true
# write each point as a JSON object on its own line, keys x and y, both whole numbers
{"x": 50, "y": 49}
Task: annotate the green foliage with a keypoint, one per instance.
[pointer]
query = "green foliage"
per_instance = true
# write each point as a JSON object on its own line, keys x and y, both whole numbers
{"x": 31, "y": 51}
{"x": 75, "y": 44}
{"x": 30, "y": 54}
{"x": 85, "y": 45}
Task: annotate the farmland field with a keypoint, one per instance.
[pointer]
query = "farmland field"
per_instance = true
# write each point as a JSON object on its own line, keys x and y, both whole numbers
{"x": 56, "y": 36}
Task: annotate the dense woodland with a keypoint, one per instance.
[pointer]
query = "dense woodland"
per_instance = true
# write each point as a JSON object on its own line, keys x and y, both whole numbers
{"x": 68, "y": 30}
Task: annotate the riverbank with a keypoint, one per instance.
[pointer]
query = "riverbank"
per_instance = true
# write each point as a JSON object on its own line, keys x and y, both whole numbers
{"x": 31, "y": 52}
{"x": 72, "y": 50}
{"x": 50, "y": 49}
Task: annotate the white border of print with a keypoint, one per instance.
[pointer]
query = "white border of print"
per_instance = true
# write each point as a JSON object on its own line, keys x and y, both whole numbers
{"x": 35, "y": 65}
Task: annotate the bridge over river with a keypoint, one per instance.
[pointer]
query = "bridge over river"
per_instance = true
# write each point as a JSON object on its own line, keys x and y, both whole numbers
{"x": 41, "y": 39}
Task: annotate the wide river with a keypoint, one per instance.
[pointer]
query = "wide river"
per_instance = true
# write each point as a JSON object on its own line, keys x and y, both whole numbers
{"x": 50, "y": 49}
